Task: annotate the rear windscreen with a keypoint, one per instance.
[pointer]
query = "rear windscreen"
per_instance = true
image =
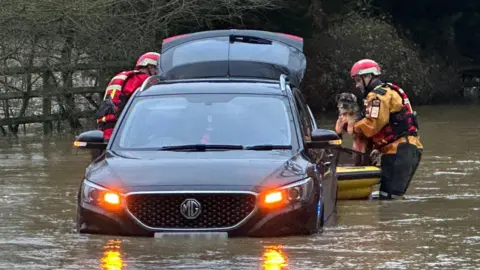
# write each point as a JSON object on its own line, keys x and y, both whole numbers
{"x": 217, "y": 57}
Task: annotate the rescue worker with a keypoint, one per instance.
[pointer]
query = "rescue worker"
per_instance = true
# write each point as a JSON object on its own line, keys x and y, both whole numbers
{"x": 120, "y": 88}
{"x": 391, "y": 124}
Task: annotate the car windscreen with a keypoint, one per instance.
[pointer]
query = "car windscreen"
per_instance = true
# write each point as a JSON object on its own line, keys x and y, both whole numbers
{"x": 219, "y": 119}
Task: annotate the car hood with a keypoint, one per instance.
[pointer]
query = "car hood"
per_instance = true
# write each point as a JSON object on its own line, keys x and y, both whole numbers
{"x": 230, "y": 170}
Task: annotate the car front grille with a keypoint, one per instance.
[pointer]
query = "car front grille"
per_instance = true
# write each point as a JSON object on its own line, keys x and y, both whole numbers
{"x": 191, "y": 211}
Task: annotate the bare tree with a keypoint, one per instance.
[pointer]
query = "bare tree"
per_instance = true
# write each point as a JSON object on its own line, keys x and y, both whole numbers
{"x": 50, "y": 33}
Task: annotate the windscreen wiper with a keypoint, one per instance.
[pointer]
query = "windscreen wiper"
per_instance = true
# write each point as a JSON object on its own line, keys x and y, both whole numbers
{"x": 267, "y": 147}
{"x": 201, "y": 147}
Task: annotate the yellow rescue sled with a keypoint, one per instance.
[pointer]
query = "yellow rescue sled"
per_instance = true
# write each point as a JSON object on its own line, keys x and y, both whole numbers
{"x": 357, "y": 175}
{"x": 357, "y": 182}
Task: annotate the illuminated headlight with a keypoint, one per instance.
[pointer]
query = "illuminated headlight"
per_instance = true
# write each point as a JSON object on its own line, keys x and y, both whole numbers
{"x": 292, "y": 193}
{"x": 100, "y": 196}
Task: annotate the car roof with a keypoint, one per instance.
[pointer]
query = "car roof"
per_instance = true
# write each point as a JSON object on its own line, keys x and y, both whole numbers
{"x": 218, "y": 86}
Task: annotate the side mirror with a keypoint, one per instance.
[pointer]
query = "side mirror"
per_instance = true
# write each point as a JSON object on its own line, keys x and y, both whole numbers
{"x": 92, "y": 139}
{"x": 324, "y": 138}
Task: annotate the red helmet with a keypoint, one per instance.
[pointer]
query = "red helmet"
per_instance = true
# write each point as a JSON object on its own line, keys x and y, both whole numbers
{"x": 365, "y": 66}
{"x": 149, "y": 58}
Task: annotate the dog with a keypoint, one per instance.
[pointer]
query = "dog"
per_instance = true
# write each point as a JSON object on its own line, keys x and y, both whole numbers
{"x": 348, "y": 110}
{"x": 349, "y": 113}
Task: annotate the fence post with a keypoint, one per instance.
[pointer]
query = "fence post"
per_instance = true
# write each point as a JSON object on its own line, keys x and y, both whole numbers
{"x": 47, "y": 103}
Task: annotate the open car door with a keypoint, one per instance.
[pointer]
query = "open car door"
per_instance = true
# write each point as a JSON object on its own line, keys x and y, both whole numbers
{"x": 233, "y": 54}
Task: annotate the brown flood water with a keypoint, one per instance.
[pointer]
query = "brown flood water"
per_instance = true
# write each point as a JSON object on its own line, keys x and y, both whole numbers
{"x": 436, "y": 227}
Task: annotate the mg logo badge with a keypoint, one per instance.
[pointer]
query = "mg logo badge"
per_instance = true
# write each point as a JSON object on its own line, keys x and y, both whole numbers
{"x": 190, "y": 208}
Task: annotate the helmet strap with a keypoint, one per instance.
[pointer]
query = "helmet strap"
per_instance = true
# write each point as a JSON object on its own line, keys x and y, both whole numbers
{"x": 365, "y": 92}
{"x": 365, "y": 86}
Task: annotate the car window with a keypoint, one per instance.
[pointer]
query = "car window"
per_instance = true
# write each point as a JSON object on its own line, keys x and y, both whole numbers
{"x": 305, "y": 119}
{"x": 194, "y": 51}
{"x": 237, "y": 119}
{"x": 201, "y": 58}
{"x": 311, "y": 119}
{"x": 274, "y": 53}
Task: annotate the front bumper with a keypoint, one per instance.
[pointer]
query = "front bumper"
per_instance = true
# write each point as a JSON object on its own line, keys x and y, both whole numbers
{"x": 289, "y": 220}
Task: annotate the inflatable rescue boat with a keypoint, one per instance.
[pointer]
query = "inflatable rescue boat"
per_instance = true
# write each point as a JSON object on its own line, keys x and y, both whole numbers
{"x": 356, "y": 182}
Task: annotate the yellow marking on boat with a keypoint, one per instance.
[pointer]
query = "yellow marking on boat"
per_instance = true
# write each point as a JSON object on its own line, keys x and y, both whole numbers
{"x": 357, "y": 169}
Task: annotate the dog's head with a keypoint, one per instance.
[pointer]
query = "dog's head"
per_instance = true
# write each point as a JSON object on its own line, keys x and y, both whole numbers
{"x": 347, "y": 102}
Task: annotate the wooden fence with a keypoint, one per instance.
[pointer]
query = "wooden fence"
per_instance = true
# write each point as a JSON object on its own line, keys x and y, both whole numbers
{"x": 104, "y": 71}
{"x": 49, "y": 91}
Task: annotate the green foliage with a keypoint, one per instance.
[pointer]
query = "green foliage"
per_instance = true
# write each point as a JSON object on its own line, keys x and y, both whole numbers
{"x": 443, "y": 26}
{"x": 332, "y": 53}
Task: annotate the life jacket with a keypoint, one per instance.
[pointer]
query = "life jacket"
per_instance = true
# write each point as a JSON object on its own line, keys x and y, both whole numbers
{"x": 401, "y": 124}
{"x": 114, "y": 100}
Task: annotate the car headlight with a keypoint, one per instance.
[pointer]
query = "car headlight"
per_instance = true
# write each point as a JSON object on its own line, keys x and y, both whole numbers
{"x": 291, "y": 193}
{"x": 99, "y": 196}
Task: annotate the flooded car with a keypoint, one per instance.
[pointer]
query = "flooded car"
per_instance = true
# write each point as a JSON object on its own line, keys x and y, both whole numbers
{"x": 221, "y": 143}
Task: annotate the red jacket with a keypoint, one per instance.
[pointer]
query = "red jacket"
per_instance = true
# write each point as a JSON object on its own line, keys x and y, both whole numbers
{"x": 118, "y": 92}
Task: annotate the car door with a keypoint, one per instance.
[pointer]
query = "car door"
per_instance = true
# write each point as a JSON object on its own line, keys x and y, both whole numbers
{"x": 325, "y": 159}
